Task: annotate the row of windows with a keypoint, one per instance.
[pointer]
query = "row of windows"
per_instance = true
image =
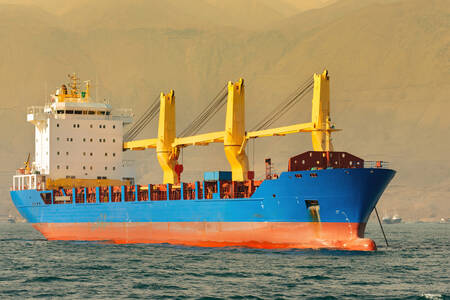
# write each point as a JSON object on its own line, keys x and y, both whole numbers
{"x": 82, "y": 112}
{"x": 91, "y": 126}
{"x": 85, "y": 139}
{"x": 84, "y": 153}
{"x": 98, "y": 177}
{"x": 84, "y": 168}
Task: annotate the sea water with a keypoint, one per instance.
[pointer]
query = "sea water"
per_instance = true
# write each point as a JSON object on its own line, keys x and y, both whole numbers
{"x": 414, "y": 266}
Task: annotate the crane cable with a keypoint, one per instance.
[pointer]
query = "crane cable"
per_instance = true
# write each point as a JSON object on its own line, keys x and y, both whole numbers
{"x": 207, "y": 113}
{"x": 284, "y": 107}
{"x": 143, "y": 121}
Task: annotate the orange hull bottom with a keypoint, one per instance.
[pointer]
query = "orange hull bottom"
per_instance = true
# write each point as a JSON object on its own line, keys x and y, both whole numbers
{"x": 265, "y": 235}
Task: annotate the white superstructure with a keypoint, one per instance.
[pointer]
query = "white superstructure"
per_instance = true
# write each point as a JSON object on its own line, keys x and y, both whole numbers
{"x": 78, "y": 138}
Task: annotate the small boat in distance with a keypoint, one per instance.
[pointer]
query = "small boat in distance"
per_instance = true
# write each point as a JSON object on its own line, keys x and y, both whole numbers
{"x": 392, "y": 220}
{"x": 11, "y": 218}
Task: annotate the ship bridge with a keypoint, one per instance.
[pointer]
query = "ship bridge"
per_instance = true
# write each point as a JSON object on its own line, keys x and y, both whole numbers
{"x": 78, "y": 141}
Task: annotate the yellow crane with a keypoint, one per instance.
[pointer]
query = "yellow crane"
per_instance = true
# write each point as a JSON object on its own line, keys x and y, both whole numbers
{"x": 234, "y": 137}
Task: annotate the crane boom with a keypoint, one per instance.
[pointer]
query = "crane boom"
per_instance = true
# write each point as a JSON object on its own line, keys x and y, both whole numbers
{"x": 234, "y": 136}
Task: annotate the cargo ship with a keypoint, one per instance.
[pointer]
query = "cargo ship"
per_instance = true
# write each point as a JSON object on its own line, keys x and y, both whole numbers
{"x": 79, "y": 187}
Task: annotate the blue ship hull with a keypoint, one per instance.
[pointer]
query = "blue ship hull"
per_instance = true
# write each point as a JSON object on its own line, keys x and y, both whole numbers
{"x": 277, "y": 215}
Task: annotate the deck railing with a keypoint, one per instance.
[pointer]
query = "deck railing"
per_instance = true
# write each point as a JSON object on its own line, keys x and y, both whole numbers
{"x": 151, "y": 192}
{"x": 376, "y": 164}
